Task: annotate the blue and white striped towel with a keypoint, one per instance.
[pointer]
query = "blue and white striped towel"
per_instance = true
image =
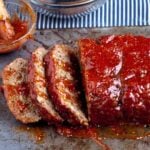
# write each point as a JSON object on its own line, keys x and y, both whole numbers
{"x": 112, "y": 13}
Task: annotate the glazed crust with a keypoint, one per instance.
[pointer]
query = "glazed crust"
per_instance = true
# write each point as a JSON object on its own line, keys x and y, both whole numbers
{"x": 116, "y": 77}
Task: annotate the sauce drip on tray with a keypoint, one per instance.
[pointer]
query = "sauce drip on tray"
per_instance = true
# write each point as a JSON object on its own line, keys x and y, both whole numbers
{"x": 90, "y": 133}
{"x": 99, "y": 134}
{"x": 37, "y": 133}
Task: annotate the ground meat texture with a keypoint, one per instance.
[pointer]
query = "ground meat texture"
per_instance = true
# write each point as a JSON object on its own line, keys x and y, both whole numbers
{"x": 63, "y": 84}
{"x": 17, "y": 93}
{"x": 38, "y": 89}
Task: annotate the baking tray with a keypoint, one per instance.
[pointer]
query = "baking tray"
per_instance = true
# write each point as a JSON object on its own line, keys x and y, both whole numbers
{"x": 16, "y": 136}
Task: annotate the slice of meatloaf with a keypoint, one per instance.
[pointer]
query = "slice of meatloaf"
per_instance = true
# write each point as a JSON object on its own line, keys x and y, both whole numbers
{"x": 16, "y": 92}
{"x": 63, "y": 84}
{"x": 101, "y": 62}
{"x": 38, "y": 88}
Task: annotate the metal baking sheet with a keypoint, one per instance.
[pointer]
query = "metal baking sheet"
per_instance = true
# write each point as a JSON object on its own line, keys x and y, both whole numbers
{"x": 15, "y": 136}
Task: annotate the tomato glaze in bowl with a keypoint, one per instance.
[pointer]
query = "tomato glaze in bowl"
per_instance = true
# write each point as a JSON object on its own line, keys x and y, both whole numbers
{"x": 23, "y": 21}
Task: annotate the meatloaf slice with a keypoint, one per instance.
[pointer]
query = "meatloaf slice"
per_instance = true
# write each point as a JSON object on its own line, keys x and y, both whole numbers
{"x": 38, "y": 89}
{"x": 63, "y": 84}
{"x": 101, "y": 63}
{"x": 16, "y": 92}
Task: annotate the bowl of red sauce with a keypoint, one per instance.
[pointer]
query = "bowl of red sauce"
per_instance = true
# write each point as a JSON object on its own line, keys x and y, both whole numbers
{"x": 23, "y": 22}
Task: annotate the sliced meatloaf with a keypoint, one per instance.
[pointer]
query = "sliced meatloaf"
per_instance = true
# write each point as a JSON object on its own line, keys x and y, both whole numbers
{"x": 101, "y": 62}
{"x": 38, "y": 89}
{"x": 16, "y": 92}
{"x": 63, "y": 84}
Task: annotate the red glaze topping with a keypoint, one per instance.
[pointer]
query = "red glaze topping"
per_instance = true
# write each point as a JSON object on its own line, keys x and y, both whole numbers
{"x": 101, "y": 62}
{"x": 116, "y": 78}
{"x": 136, "y": 79}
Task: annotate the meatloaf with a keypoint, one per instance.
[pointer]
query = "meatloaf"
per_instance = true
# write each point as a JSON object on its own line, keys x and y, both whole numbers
{"x": 38, "y": 88}
{"x": 100, "y": 65}
{"x": 116, "y": 77}
{"x": 135, "y": 76}
{"x": 16, "y": 92}
{"x": 63, "y": 84}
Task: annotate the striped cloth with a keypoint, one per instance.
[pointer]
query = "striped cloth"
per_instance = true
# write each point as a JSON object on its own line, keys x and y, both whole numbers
{"x": 112, "y": 13}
